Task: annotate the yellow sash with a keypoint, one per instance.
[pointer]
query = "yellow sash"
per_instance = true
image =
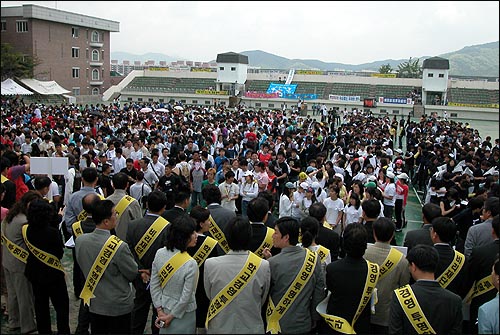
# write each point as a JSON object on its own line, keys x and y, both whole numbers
{"x": 340, "y": 324}
{"x": 77, "y": 228}
{"x": 122, "y": 205}
{"x": 452, "y": 270}
{"x": 4, "y": 179}
{"x": 327, "y": 225}
{"x": 150, "y": 236}
{"x": 204, "y": 250}
{"x": 412, "y": 309}
{"x": 480, "y": 287}
{"x": 234, "y": 287}
{"x": 274, "y": 314}
{"x": 16, "y": 251}
{"x": 45, "y": 257}
{"x": 323, "y": 253}
{"x": 83, "y": 214}
{"x": 218, "y": 234}
{"x": 100, "y": 265}
{"x": 266, "y": 243}
{"x": 167, "y": 271}
{"x": 390, "y": 262}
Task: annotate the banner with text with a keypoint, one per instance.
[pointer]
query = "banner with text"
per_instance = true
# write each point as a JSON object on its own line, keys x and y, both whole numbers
{"x": 383, "y": 75}
{"x": 211, "y": 92}
{"x": 401, "y": 101}
{"x": 301, "y": 96}
{"x": 281, "y": 89}
{"x": 158, "y": 68}
{"x": 261, "y": 95}
{"x": 309, "y": 72}
{"x": 346, "y": 98}
{"x": 202, "y": 69}
{"x": 456, "y": 104}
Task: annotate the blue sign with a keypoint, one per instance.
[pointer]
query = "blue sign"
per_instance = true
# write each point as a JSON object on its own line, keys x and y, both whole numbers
{"x": 403, "y": 101}
{"x": 281, "y": 89}
{"x": 301, "y": 96}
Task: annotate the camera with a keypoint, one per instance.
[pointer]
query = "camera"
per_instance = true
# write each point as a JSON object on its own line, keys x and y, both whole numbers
{"x": 162, "y": 323}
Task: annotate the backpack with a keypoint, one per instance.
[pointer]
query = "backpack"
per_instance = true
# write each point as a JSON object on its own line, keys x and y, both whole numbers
{"x": 77, "y": 181}
{"x": 185, "y": 170}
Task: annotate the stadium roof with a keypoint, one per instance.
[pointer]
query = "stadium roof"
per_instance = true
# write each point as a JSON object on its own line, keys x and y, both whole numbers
{"x": 436, "y": 63}
{"x": 232, "y": 57}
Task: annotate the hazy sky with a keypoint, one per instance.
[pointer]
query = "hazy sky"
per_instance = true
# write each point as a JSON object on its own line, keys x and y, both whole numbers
{"x": 344, "y": 32}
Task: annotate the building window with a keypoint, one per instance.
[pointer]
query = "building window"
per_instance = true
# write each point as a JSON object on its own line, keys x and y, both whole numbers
{"x": 221, "y": 68}
{"x": 76, "y": 91}
{"x": 430, "y": 75}
{"x": 21, "y": 26}
{"x": 441, "y": 75}
{"x": 453, "y": 114}
{"x": 75, "y": 52}
{"x": 129, "y": 99}
{"x": 95, "y": 91}
{"x": 183, "y": 101}
{"x": 4, "y": 26}
{"x": 233, "y": 69}
{"x": 95, "y": 74}
{"x": 76, "y": 72}
{"x": 139, "y": 99}
{"x": 75, "y": 32}
{"x": 95, "y": 36}
{"x": 150, "y": 100}
{"x": 383, "y": 111}
{"x": 207, "y": 102}
{"x": 95, "y": 55}
{"x": 195, "y": 101}
{"x": 161, "y": 100}
{"x": 257, "y": 104}
{"x": 395, "y": 111}
{"x": 271, "y": 105}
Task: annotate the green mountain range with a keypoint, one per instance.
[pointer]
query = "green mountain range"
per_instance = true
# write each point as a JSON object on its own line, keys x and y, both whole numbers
{"x": 476, "y": 61}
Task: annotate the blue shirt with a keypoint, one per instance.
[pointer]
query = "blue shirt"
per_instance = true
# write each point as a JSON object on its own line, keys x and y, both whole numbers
{"x": 488, "y": 317}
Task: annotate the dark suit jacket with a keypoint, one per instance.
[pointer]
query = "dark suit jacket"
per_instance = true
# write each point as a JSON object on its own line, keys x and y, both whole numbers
{"x": 48, "y": 239}
{"x": 202, "y": 301}
{"x": 10, "y": 194}
{"x": 346, "y": 279}
{"x": 259, "y": 231}
{"x": 481, "y": 261}
{"x": 271, "y": 220}
{"x": 221, "y": 216}
{"x": 418, "y": 236}
{"x": 441, "y": 307}
{"x": 172, "y": 213}
{"x": 446, "y": 256}
{"x": 330, "y": 240}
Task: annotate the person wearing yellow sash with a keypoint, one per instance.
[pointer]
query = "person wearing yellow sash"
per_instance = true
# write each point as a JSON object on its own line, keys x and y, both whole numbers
{"x": 205, "y": 248}
{"x": 488, "y": 312}
{"x": 220, "y": 215}
{"x": 129, "y": 208}
{"x": 109, "y": 268}
{"x": 309, "y": 228}
{"x": 296, "y": 273}
{"x": 10, "y": 187}
{"x": 262, "y": 236}
{"x": 394, "y": 272}
{"x": 146, "y": 236}
{"x": 350, "y": 282}
{"x": 453, "y": 267}
{"x": 43, "y": 268}
{"x": 237, "y": 285}
{"x": 424, "y": 307}
{"x": 174, "y": 276}
{"x": 20, "y": 300}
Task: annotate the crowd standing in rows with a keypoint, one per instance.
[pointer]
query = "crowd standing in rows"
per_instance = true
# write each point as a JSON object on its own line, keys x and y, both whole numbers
{"x": 247, "y": 221}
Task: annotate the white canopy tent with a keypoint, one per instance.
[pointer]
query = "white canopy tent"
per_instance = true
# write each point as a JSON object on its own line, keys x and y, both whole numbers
{"x": 45, "y": 87}
{"x": 10, "y": 87}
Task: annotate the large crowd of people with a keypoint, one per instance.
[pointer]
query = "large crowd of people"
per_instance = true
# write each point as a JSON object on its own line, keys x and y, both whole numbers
{"x": 236, "y": 220}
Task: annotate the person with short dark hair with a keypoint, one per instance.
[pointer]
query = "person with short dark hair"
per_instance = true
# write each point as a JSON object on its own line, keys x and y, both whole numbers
{"x": 327, "y": 237}
{"x": 370, "y": 213}
{"x": 421, "y": 235}
{"x": 271, "y": 218}
{"x": 346, "y": 295}
{"x": 441, "y": 308}
{"x": 113, "y": 297}
{"x": 182, "y": 199}
{"x": 174, "y": 296}
{"x": 243, "y": 316}
{"x": 480, "y": 234}
{"x": 466, "y": 219}
{"x": 257, "y": 212}
{"x": 395, "y": 266}
{"x": 299, "y": 315}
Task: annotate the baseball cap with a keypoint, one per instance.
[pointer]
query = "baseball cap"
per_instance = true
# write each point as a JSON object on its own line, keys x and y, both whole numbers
{"x": 310, "y": 169}
{"x": 338, "y": 175}
{"x": 370, "y": 184}
{"x": 403, "y": 176}
{"x": 309, "y": 189}
{"x": 302, "y": 175}
{"x": 248, "y": 173}
{"x": 304, "y": 185}
{"x": 390, "y": 175}
{"x": 290, "y": 185}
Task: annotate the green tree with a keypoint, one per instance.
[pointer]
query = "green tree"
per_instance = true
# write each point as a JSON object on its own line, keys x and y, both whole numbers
{"x": 410, "y": 69}
{"x": 15, "y": 64}
{"x": 385, "y": 69}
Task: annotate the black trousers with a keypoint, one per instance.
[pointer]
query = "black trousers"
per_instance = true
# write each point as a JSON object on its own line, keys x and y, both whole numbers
{"x": 57, "y": 292}
{"x": 105, "y": 324}
{"x": 142, "y": 304}
{"x": 399, "y": 213}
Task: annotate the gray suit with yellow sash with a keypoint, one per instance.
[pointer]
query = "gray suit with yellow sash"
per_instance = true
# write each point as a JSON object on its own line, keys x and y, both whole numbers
{"x": 132, "y": 212}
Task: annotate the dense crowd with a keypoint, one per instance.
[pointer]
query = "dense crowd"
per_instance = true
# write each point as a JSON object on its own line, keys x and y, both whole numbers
{"x": 288, "y": 219}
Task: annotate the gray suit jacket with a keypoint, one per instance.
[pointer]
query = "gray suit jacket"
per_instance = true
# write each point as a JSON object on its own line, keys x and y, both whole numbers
{"x": 478, "y": 235}
{"x": 13, "y": 232}
{"x": 243, "y": 315}
{"x": 284, "y": 268}
{"x": 114, "y": 294}
{"x": 398, "y": 277}
{"x": 221, "y": 216}
{"x": 132, "y": 212}
{"x": 178, "y": 295}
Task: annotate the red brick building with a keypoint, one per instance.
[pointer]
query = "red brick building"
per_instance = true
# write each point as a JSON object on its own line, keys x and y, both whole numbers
{"x": 73, "y": 49}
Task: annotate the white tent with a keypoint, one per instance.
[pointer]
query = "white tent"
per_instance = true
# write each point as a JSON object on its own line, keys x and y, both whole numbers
{"x": 10, "y": 87}
{"x": 45, "y": 87}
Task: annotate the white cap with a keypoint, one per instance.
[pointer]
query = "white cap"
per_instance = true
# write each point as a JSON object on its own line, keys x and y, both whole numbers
{"x": 304, "y": 185}
{"x": 403, "y": 176}
{"x": 248, "y": 173}
{"x": 390, "y": 175}
{"x": 315, "y": 185}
